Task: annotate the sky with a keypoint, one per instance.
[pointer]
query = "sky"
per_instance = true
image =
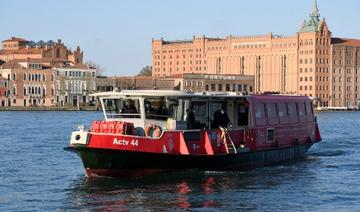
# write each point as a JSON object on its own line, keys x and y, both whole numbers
{"x": 117, "y": 34}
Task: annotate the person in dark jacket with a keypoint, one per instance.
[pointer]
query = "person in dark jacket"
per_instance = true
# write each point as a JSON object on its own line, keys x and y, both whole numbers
{"x": 129, "y": 107}
{"x": 191, "y": 121}
{"x": 221, "y": 118}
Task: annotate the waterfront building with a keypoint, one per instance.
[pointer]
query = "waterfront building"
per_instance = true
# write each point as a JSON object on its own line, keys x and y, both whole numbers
{"x": 74, "y": 84}
{"x": 220, "y": 83}
{"x": 19, "y": 48}
{"x": 136, "y": 83}
{"x": 4, "y": 90}
{"x": 345, "y": 73}
{"x": 186, "y": 82}
{"x": 45, "y": 74}
{"x": 31, "y": 83}
{"x": 299, "y": 64}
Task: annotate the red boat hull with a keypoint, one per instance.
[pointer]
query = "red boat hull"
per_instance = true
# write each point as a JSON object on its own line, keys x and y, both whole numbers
{"x": 117, "y": 163}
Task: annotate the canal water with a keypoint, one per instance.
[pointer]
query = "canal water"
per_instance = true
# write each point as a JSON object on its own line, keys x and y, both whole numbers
{"x": 36, "y": 174}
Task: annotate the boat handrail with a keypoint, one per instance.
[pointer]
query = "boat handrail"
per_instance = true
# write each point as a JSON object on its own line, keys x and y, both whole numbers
{"x": 226, "y": 131}
{"x": 123, "y": 115}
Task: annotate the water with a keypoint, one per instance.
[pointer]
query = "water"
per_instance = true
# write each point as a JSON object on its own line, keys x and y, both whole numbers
{"x": 37, "y": 174}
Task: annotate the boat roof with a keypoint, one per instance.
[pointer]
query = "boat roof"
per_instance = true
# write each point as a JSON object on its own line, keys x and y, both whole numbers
{"x": 174, "y": 93}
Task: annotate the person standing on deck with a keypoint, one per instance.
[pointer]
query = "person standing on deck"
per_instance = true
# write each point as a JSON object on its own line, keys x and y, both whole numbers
{"x": 221, "y": 118}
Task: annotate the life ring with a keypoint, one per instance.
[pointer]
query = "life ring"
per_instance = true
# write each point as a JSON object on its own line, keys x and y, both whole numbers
{"x": 153, "y": 131}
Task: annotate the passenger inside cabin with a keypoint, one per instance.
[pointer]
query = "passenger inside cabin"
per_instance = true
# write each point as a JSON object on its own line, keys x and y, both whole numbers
{"x": 191, "y": 121}
{"x": 149, "y": 108}
{"x": 221, "y": 119}
{"x": 162, "y": 112}
{"x": 129, "y": 107}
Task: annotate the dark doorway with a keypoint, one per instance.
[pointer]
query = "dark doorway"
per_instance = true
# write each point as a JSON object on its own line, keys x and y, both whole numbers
{"x": 75, "y": 101}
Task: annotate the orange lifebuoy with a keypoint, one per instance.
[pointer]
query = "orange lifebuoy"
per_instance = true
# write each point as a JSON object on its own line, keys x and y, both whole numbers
{"x": 153, "y": 131}
{"x": 157, "y": 132}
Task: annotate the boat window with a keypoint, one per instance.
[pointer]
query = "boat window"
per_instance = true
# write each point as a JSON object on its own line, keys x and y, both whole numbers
{"x": 243, "y": 113}
{"x": 292, "y": 113}
{"x": 270, "y": 135}
{"x": 309, "y": 111}
{"x": 260, "y": 114}
{"x": 179, "y": 109}
{"x": 272, "y": 113}
{"x": 158, "y": 108}
{"x": 283, "y": 116}
{"x": 197, "y": 115}
{"x": 301, "y": 111}
{"x": 122, "y": 108}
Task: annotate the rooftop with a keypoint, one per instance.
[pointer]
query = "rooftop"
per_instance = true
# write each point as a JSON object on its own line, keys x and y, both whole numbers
{"x": 15, "y": 39}
{"x": 345, "y": 41}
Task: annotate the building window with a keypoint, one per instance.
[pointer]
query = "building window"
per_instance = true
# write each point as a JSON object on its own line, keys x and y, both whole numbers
{"x": 245, "y": 88}
{"x": 227, "y": 87}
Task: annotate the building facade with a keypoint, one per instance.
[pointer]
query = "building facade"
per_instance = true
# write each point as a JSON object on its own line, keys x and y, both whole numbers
{"x": 345, "y": 73}
{"x": 73, "y": 86}
{"x": 136, "y": 83}
{"x": 45, "y": 74}
{"x": 219, "y": 83}
{"x": 299, "y": 64}
{"x": 4, "y": 90}
{"x": 30, "y": 83}
{"x": 20, "y": 49}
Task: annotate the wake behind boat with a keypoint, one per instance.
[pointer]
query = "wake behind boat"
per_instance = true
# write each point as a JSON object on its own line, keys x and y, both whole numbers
{"x": 151, "y": 131}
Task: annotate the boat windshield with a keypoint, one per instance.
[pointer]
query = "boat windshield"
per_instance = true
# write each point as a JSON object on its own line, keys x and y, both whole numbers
{"x": 122, "y": 108}
{"x": 162, "y": 108}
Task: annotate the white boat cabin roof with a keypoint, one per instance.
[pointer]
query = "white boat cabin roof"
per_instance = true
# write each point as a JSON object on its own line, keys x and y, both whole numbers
{"x": 172, "y": 93}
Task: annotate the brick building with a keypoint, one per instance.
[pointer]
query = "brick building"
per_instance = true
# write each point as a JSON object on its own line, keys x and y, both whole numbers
{"x": 300, "y": 64}
{"x": 18, "y": 48}
{"x": 45, "y": 74}
{"x": 31, "y": 83}
{"x": 345, "y": 73}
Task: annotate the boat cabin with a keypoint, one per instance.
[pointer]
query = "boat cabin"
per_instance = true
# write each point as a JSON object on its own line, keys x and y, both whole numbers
{"x": 174, "y": 110}
{"x": 269, "y": 117}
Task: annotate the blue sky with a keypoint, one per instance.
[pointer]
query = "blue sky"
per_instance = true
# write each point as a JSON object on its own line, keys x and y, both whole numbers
{"x": 117, "y": 34}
